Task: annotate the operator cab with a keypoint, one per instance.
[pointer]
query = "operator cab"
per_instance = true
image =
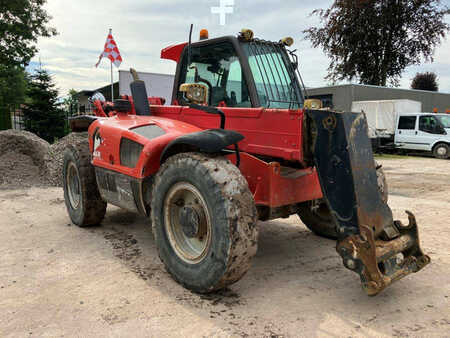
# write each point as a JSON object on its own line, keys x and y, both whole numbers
{"x": 240, "y": 72}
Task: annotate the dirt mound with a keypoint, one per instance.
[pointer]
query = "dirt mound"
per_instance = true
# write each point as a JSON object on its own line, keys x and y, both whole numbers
{"x": 18, "y": 170}
{"x": 26, "y": 143}
{"x": 27, "y": 160}
{"x": 55, "y": 156}
{"x": 22, "y": 158}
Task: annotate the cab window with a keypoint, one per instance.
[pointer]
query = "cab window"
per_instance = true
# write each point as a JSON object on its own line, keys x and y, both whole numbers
{"x": 218, "y": 67}
{"x": 407, "y": 122}
{"x": 274, "y": 76}
{"x": 429, "y": 124}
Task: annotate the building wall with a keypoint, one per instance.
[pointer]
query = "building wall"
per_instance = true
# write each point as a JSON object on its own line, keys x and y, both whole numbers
{"x": 83, "y": 100}
{"x": 157, "y": 85}
{"x": 343, "y": 96}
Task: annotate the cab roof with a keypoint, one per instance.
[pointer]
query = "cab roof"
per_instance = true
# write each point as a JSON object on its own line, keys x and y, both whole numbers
{"x": 174, "y": 52}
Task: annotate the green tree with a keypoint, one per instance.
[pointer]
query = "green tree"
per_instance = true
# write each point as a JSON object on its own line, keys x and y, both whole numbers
{"x": 12, "y": 93}
{"x": 22, "y": 22}
{"x": 373, "y": 41}
{"x": 71, "y": 101}
{"x": 43, "y": 115}
{"x": 425, "y": 81}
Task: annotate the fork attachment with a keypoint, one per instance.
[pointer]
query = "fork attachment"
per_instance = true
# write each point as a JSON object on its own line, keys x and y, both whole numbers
{"x": 370, "y": 242}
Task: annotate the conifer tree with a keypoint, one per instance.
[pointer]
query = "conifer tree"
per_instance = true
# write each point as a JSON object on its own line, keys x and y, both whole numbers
{"x": 43, "y": 115}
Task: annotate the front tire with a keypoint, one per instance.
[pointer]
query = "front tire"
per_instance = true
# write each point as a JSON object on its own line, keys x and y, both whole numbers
{"x": 204, "y": 221}
{"x": 316, "y": 214}
{"x": 441, "y": 151}
{"x": 83, "y": 201}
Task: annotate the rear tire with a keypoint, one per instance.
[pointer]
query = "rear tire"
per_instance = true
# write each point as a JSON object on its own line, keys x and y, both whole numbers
{"x": 204, "y": 221}
{"x": 83, "y": 201}
{"x": 441, "y": 151}
{"x": 317, "y": 217}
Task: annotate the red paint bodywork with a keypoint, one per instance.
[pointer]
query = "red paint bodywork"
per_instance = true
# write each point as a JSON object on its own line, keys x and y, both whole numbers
{"x": 271, "y": 133}
{"x": 112, "y": 130}
{"x": 273, "y": 189}
{"x": 173, "y": 52}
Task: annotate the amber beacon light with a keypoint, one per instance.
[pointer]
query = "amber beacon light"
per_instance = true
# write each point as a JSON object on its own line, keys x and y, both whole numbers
{"x": 204, "y": 34}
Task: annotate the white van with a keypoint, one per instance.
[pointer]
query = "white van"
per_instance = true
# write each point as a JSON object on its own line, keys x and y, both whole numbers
{"x": 424, "y": 131}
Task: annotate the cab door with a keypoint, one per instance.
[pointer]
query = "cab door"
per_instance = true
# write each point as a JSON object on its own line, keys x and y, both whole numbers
{"x": 217, "y": 64}
{"x": 429, "y": 132}
{"x": 405, "y": 133}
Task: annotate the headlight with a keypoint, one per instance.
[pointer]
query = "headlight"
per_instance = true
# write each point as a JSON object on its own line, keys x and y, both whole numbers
{"x": 195, "y": 92}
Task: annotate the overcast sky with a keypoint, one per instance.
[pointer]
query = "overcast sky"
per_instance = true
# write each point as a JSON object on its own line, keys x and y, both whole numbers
{"x": 142, "y": 28}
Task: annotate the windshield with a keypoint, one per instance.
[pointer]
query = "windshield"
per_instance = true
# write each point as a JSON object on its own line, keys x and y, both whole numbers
{"x": 445, "y": 120}
{"x": 275, "y": 78}
{"x": 218, "y": 66}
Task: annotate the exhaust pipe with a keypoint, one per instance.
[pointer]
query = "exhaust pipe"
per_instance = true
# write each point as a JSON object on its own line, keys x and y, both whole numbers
{"x": 139, "y": 93}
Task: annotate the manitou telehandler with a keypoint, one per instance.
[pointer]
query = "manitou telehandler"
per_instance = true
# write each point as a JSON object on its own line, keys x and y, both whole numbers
{"x": 238, "y": 143}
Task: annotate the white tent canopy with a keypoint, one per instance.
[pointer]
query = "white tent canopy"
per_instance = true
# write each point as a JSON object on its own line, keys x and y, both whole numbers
{"x": 382, "y": 115}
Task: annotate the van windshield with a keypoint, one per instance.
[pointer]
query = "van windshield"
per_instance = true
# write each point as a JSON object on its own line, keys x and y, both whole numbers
{"x": 445, "y": 120}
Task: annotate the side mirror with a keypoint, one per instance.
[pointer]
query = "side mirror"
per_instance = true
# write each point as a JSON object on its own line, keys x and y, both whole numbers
{"x": 440, "y": 129}
{"x": 97, "y": 96}
{"x": 195, "y": 92}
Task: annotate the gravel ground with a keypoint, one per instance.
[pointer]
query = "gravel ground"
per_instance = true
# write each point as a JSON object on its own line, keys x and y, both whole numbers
{"x": 59, "y": 280}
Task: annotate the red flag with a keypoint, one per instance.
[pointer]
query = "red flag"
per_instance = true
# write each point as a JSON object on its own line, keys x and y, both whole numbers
{"x": 110, "y": 51}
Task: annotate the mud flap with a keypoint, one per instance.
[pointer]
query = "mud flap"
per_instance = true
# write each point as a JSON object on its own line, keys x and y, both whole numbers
{"x": 370, "y": 243}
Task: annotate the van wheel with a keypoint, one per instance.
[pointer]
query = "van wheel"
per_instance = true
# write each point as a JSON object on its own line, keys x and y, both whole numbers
{"x": 442, "y": 151}
{"x": 317, "y": 216}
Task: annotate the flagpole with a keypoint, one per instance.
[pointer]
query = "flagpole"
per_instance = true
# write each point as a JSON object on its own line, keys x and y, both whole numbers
{"x": 112, "y": 83}
{"x": 112, "y": 53}
{"x": 112, "y": 80}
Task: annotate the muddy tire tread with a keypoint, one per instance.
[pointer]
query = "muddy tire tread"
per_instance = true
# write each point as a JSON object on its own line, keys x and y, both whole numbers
{"x": 92, "y": 203}
{"x": 237, "y": 209}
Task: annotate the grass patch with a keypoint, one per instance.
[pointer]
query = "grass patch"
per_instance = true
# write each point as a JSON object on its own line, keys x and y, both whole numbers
{"x": 394, "y": 156}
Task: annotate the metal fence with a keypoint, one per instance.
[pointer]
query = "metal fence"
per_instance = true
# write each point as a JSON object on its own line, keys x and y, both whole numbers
{"x": 17, "y": 119}
{"x": 11, "y": 117}
{"x": 15, "y": 115}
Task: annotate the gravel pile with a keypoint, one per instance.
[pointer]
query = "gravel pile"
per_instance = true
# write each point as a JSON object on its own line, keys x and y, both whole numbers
{"x": 23, "y": 158}
{"x": 55, "y": 156}
{"x": 27, "y": 160}
{"x": 18, "y": 170}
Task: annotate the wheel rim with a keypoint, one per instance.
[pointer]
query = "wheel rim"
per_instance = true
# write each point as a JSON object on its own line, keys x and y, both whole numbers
{"x": 441, "y": 151}
{"x": 187, "y": 222}
{"x": 73, "y": 185}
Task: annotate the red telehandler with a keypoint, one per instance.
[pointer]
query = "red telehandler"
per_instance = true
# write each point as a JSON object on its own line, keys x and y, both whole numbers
{"x": 238, "y": 143}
